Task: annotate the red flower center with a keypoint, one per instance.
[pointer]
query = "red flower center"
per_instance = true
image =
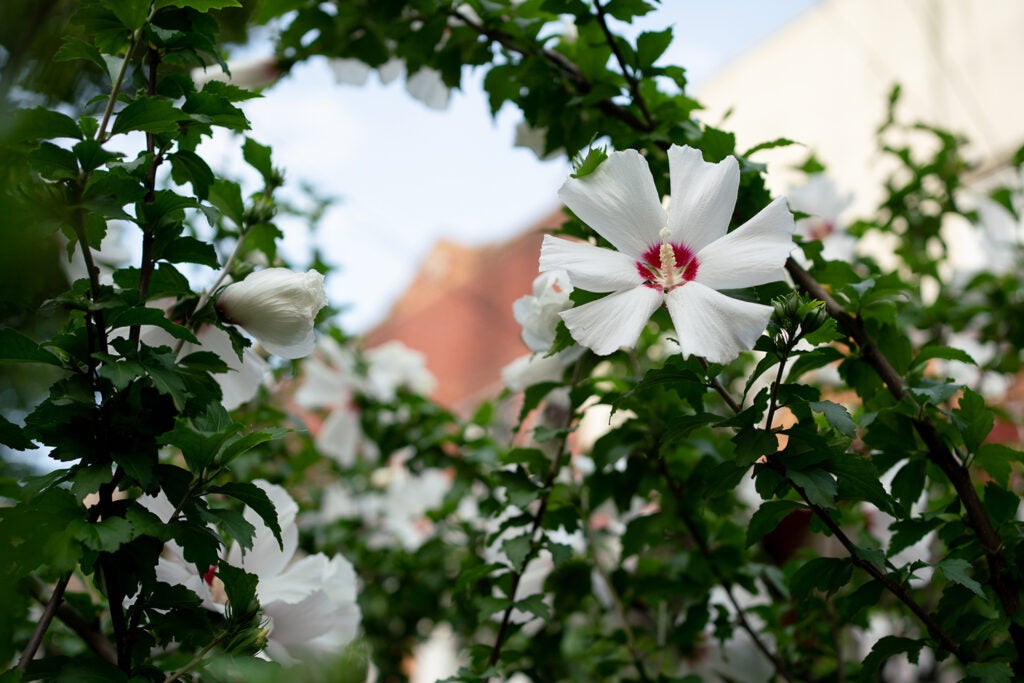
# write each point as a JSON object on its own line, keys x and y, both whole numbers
{"x": 665, "y": 269}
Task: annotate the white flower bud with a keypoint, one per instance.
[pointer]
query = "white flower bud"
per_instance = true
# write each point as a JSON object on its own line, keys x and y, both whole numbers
{"x": 538, "y": 314}
{"x": 277, "y": 306}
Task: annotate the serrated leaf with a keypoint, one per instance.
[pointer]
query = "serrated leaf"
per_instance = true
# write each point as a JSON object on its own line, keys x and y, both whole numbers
{"x": 227, "y": 196}
{"x": 837, "y": 416}
{"x": 189, "y": 167}
{"x": 955, "y": 570}
{"x": 535, "y": 605}
{"x": 588, "y": 164}
{"x": 907, "y": 532}
{"x": 753, "y": 443}
{"x": 75, "y": 48}
{"x": 650, "y": 45}
{"x": 997, "y": 460}
{"x": 767, "y": 517}
{"x": 17, "y": 348}
{"x": 141, "y": 315}
{"x": 517, "y": 549}
{"x": 13, "y": 437}
{"x": 942, "y": 352}
{"x": 770, "y": 144}
{"x": 886, "y": 647}
{"x": 190, "y": 250}
{"x": 858, "y": 479}
{"x": 827, "y": 574}
{"x": 973, "y": 419}
{"x": 106, "y": 535}
{"x": 240, "y": 587}
{"x": 991, "y": 672}
{"x": 818, "y": 484}
{"x": 150, "y": 115}
{"x": 258, "y": 156}
{"x": 257, "y": 499}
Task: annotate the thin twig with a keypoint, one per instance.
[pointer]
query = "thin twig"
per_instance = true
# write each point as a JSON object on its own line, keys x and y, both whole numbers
{"x": 897, "y": 589}
{"x": 1005, "y": 585}
{"x": 627, "y": 73}
{"x": 77, "y": 622}
{"x": 538, "y": 519}
{"x": 705, "y": 550}
{"x": 562, "y": 65}
{"x": 620, "y": 608}
{"x": 44, "y": 621}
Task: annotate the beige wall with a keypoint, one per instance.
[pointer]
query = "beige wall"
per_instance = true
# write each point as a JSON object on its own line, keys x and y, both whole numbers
{"x": 823, "y": 81}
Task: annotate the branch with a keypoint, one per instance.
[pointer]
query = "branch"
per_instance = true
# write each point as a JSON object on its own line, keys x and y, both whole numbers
{"x": 705, "y": 550}
{"x": 538, "y": 519}
{"x": 562, "y": 65}
{"x": 1007, "y": 588}
{"x": 44, "y": 621}
{"x": 627, "y": 73}
{"x": 77, "y": 622}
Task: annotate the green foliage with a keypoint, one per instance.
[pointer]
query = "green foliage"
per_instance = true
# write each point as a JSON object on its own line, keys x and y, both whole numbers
{"x": 790, "y": 498}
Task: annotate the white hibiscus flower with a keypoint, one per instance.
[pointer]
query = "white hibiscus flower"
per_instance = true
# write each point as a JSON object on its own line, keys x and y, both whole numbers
{"x": 681, "y": 257}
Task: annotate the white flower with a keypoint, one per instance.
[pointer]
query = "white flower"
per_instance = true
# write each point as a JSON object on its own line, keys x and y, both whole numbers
{"x": 329, "y": 381}
{"x": 535, "y": 368}
{"x": 681, "y": 258}
{"x": 538, "y": 314}
{"x": 394, "y": 366}
{"x": 399, "y": 515}
{"x": 819, "y": 198}
{"x": 277, "y": 306}
{"x": 252, "y": 74}
{"x": 309, "y": 603}
{"x": 425, "y": 85}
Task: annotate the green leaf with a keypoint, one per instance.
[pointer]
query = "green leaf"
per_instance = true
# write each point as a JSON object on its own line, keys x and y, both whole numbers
{"x": 132, "y": 13}
{"x": 106, "y": 535}
{"x": 767, "y": 517}
{"x": 752, "y": 443}
{"x": 190, "y": 250}
{"x": 75, "y": 48}
{"x": 997, "y": 460}
{"x": 240, "y": 587}
{"x": 1001, "y": 504}
{"x": 771, "y": 144}
{"x": 908, "y": 483}
{"x": 535, "y": 605}
{"x": 991, "y": 672}
{"x": 189, "y": 167}
{"x": 818, "y": 484}
{"x": 257, "y": 499}
{"x": 17, "y": 348}
{"x": 39, "y": 124}
{"x": 587, "y": 165}
{"x": 198, "y": 5}
{"x": 837, "y": 416}
{"x": 258, "y": 156}
{"x": 887, "y": 647}
{"x": 955, "y": 570}
{"x": 625, "y": 10}
{"x": 973, "y": 419}
{"x": 227, "y": 196}
{"x": 141, "y": 315}
{"x": 858, "y": 479}
{"x": 237, "y": 445}
{"x": 943, "y": 352}
{"x": 149, "y": 114}
{"x": 13, "y": 437}
{"x": 650, "y": 45}
{"x": 827, "y": 574}
{"x": 517, "y": 549}
{"x": 907, "y": 532}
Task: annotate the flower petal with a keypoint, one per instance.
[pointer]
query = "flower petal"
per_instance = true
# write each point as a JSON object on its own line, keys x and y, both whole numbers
{"x": 619, "y": 201}
{"x": 614, "y": 321}
{"x": 594, "y": 269}
{"x": 752, "y": 254}
{"x": 712, "y": 325}
{"x": 703, "y": 197}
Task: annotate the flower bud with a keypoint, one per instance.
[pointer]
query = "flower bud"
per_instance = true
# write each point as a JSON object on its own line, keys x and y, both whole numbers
{"x": 277, "y": 306}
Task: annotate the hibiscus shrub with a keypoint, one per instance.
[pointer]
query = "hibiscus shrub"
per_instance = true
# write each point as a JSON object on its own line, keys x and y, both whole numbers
{"x": 746, "y": 443}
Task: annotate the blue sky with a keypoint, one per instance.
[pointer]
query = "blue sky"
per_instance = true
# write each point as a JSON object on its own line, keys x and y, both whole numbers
{"x": 407, "y": 176}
